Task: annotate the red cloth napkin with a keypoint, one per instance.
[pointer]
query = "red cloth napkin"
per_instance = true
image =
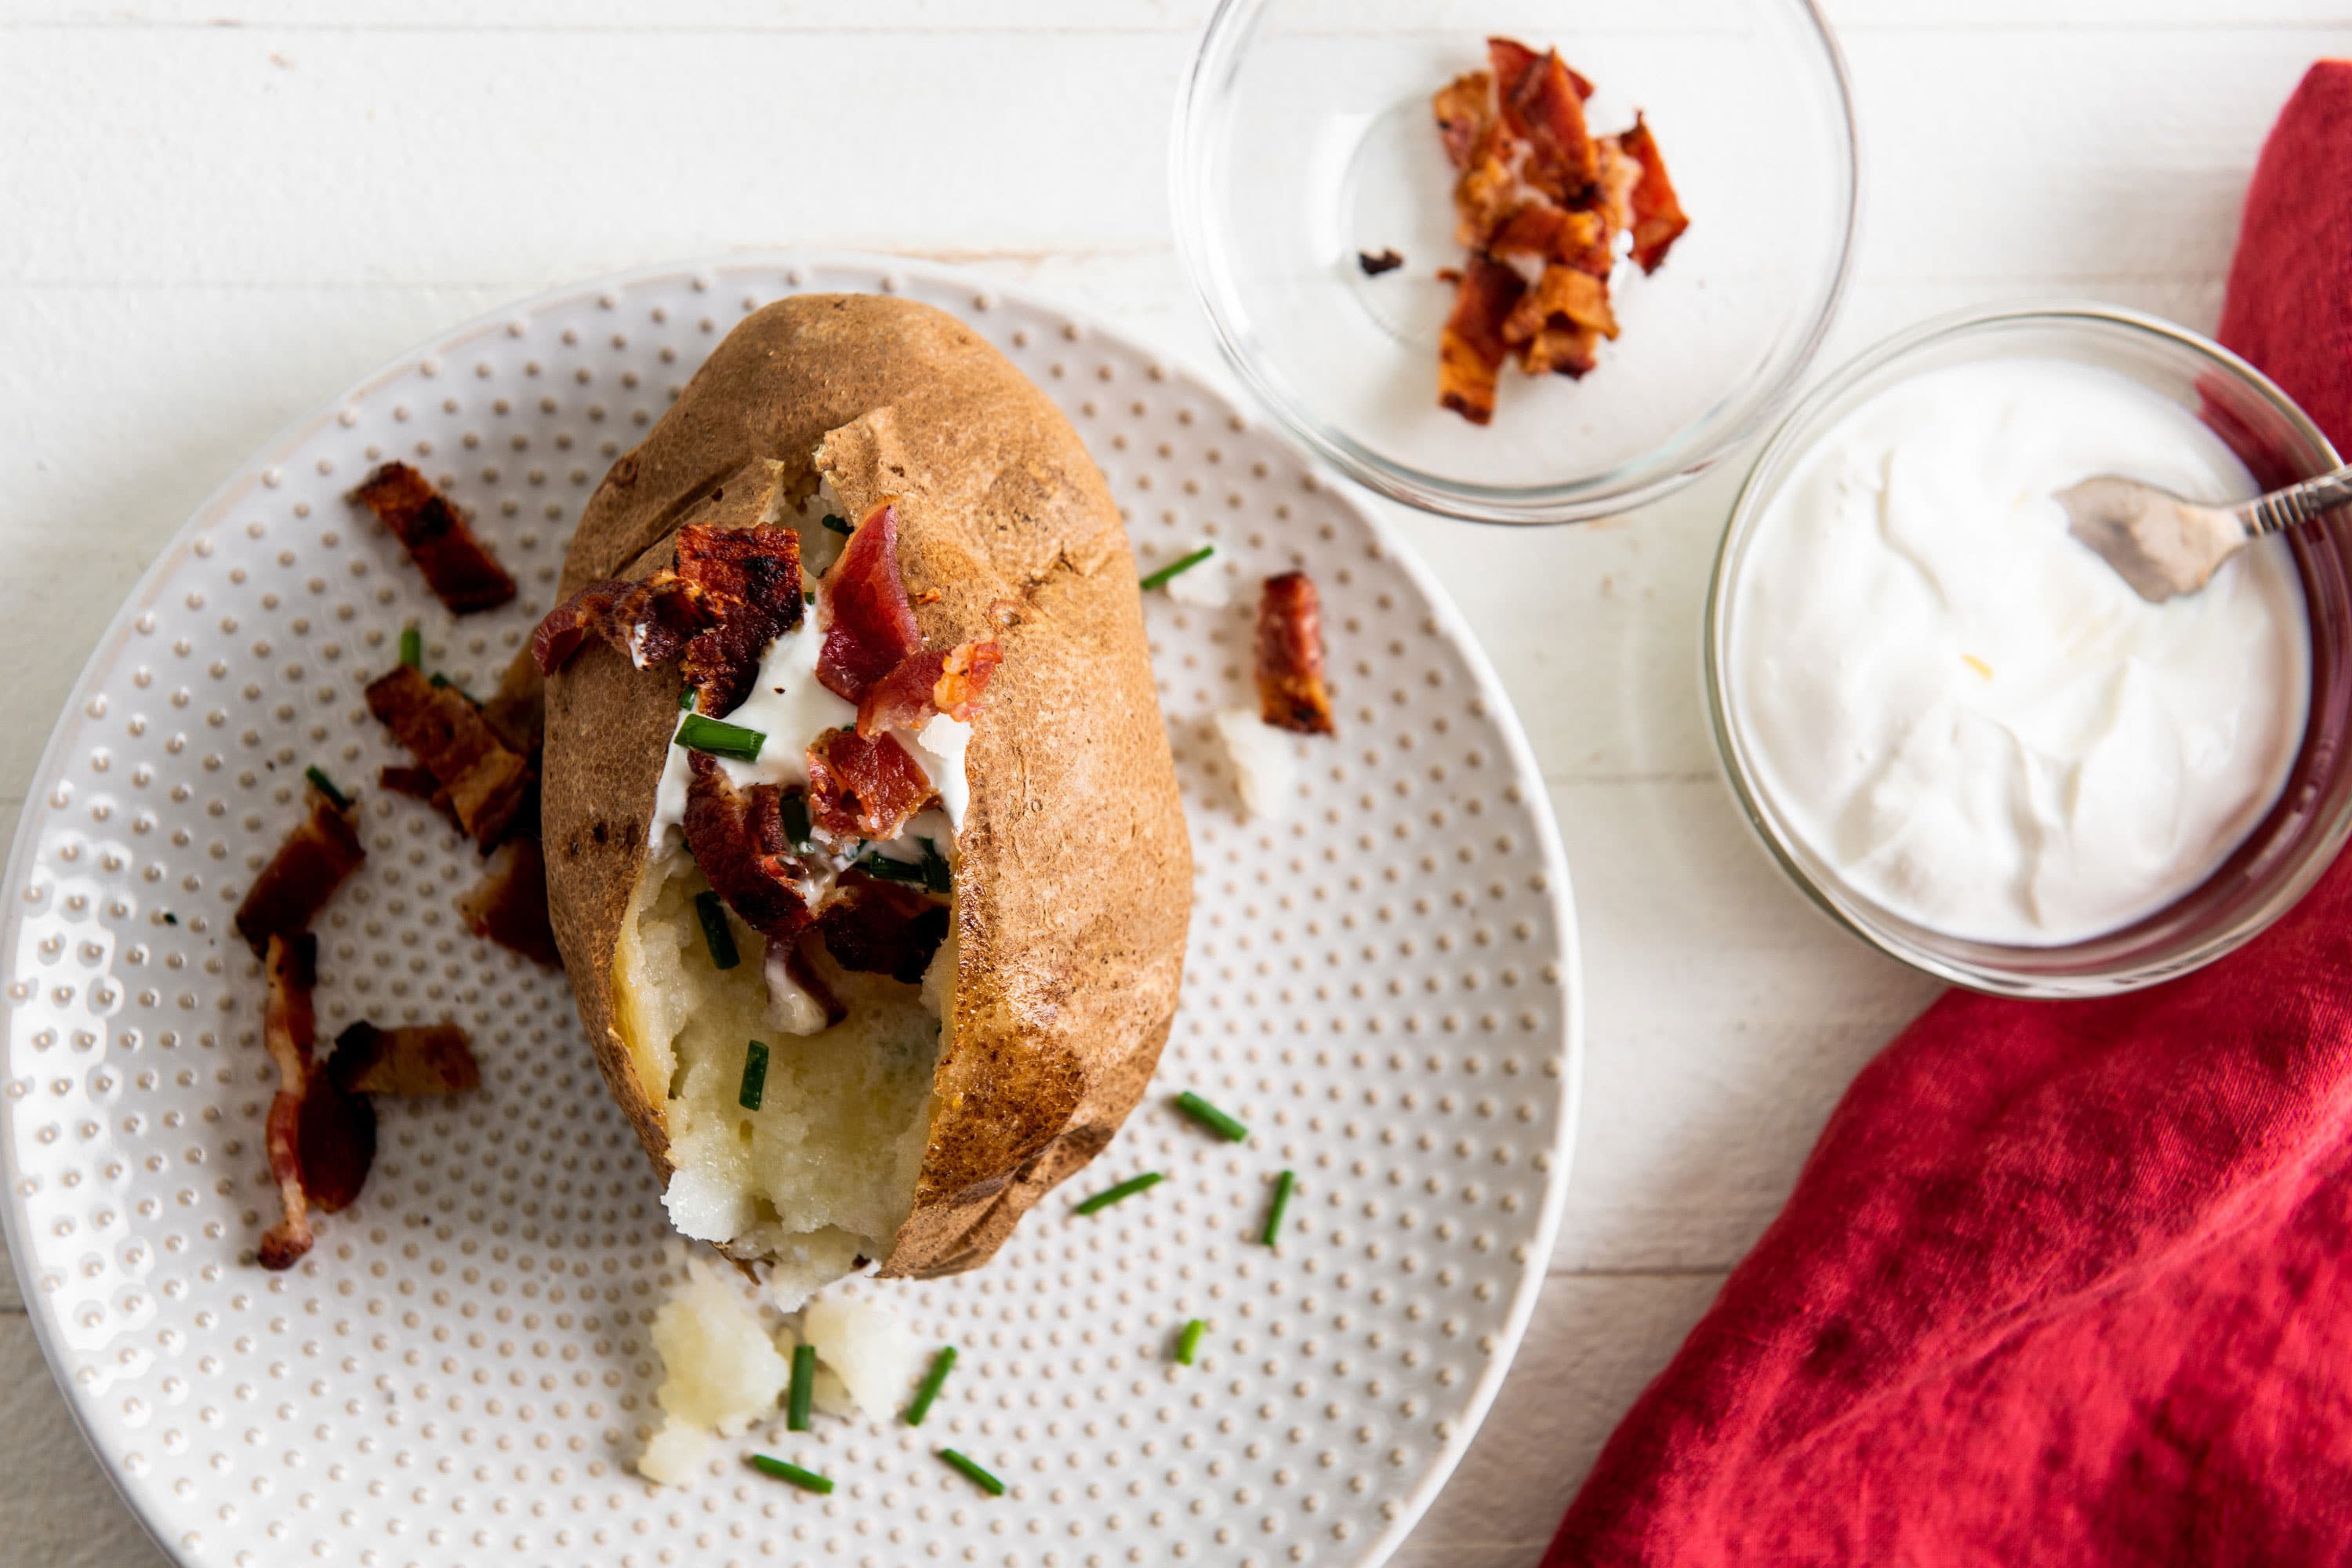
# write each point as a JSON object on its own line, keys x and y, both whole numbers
{"x": 2062, "y": 1282}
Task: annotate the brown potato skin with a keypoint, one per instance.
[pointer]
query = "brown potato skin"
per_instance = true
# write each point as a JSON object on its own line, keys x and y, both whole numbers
{"x": 1074, "y": 880}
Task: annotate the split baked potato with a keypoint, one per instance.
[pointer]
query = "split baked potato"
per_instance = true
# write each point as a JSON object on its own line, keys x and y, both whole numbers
{"x": 916, "y": 1130}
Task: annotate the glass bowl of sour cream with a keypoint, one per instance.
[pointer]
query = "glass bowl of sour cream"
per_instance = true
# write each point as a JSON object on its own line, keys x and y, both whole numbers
{"x": 1959, "y": 730}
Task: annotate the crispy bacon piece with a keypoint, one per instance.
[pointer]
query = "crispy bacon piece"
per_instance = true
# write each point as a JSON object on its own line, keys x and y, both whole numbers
{"x": 881, "y": 927}
{"x": 1290, "y": 690}
{"x": 304, "y": 873}
{"x": 1541, "y": 106}
{"x": 936, "y": 681}
{"x": 458, "y": 567}
{"x": 750, "y": 579}
{"x": 869, "y": 626}
{"x": 1658, "y": 217}
{"x": 1542, "y": 232}
{"x": 338, "y": 1140}
{"x": 738, "y": 838}
{"x": 1562, "y": 350}
{"x": 864, "y": 787}
{"x": 649, "y": 621}
{"x": 289, "y": 1027}
{"x": 509, "y": 905}
{"x": 1566, "y": 298}
{"x": 487, "y": 783}
{"x": 1471, "y": 349}
{"x": 414, "y": 1060}
{"x": 1466, "y": 113}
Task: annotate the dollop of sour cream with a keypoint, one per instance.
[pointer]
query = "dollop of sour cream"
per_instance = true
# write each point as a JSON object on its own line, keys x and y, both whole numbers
{"x": 1969, "y": 715}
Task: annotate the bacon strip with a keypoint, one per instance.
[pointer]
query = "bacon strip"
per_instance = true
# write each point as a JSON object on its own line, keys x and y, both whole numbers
{"x": 1541, "y": 106}
{"x": 749, "y": 580}
{"x": 937, "y": 680}
{"x": 1290, "y": 690}
{"x": 458, "y": 567}
{"x": 304, "y": 873}
{"x": 414, "y": 1060}
{"x": 881, "y": 927}
{"x": 508, "y": 906}
{"x": 337, "y": 1142}
{"x": 864, "y": 787}
{"x": 487, "y": 783}
{"x": 1658, "y": 217}
{"x": 737, "y": 836}
{"x": 1472, "y": 349}
{"x": 288, "y": 1026}
{"x": 869, "y": 626}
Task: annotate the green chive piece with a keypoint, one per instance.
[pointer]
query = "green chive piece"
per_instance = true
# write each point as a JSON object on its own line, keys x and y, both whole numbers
{"x": 1190, "y": 1340}
{"x": 930, "y": 872}
{"x": 796, "y": 1403}
{"x": 696, "y": 733}
{"x": 1181, "y": 564}
{"x": 941, "y": 1364}
{"x": 838, "y": 524}
{"x": 807, "y": 1481}
{"x": 717, "y": 934}
{"x": 1210, "y": 1117}
{"x": 938, "y": 875}
{"x": 755, "y": 1079}
{"x": 412, "y": 647}
{"x": 794, "y": 808}
{"x": 808, "y": 596}
{"x": 686, "y": 698}
{"x": 1281, "y": 1189}
{"x": 325, "y": 787}
{"x": 1126, "y": 1189}
{"x": 981, "y": 1477}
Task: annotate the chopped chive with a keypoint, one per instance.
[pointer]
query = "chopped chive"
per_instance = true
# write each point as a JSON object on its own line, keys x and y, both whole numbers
{"x": 684, "y": 699}
{"x": 1190, "y": 1340}
{"x": 794, "y": 807}
{"x": 1282, "y": 1187}
{"x": 807, "y": 1481}
{"x": 985, "y": 1481}
{"x": 838, "y": 524}
{"x": 940, "y": 1365}
{"x": 931, "y": 871}
{"x": 716, "y": 932}
{"x": 808, "y": 595}
{"x": 1182, "y": 564}
{"x": 1126, "y": 1189}
{"x": 412, "y": 647}
{"x": 755, "y": 1078}
{"x": 796, "y": 1403}
{"x": 1210, "y": 1117}
{"x": 325, "y": 787}
{"x": 697, "y": 734}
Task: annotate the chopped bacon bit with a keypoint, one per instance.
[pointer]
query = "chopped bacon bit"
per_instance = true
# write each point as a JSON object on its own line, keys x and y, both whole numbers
{"x": 881, "y": 927}
{"x": 1387, "y": 260}
{"x": 1537, "y": 188}
{"x": 737, "y": 836}
{"x": 458, "y": 567}
{"x": 414, "y": 1060}
{"x": 508, "y": 906}
{"x": 289, "y": 1027}
{"x": 1658, "y": 217}
{"x": 1290, "y": 690}
{"x": 869, "y": 626}
{"x": 864, "y": 787}
{"x": 336, "y": 1134}
{"x": 304, "y": 873}
{"x": 487, "y": 783}
{"x": 950, "y": 681}
{"x": 1471, "y": 349}
{"x": 749, "y": 580}
{"x": 649, "y": 622}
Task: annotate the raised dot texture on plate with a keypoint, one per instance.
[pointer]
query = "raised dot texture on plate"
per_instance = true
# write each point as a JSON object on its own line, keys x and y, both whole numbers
{"x": 462, "y": 1369}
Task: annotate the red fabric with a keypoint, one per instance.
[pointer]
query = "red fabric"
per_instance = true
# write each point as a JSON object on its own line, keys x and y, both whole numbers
{"x": 2065, "y": 1283}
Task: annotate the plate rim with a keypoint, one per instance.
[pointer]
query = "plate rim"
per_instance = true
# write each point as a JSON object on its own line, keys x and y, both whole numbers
{"x": 252, "y": 472}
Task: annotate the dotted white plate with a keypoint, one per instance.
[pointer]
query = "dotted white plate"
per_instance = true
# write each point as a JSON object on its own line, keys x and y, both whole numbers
{"x": 1383, "y": 986}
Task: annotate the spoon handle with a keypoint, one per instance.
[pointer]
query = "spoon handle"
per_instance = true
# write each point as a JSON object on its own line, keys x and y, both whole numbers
{"x": 2297, "y": 504}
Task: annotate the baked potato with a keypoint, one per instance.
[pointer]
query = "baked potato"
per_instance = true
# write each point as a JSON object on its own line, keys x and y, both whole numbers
{"x": 912, "y": 1107}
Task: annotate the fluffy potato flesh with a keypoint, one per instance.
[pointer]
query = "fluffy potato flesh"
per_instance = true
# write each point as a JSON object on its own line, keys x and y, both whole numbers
{"x": 823, "y": 1174}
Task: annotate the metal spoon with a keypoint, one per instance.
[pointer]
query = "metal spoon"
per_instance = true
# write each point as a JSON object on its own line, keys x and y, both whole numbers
{"x": 2163, "y": 545}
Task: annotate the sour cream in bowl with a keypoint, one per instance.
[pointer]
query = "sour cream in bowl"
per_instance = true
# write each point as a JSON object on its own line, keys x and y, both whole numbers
{"x": 1963, "y": 734}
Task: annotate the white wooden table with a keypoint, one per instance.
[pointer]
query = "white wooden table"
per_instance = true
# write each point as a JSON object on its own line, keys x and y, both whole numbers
{"x": 214, "y": 214}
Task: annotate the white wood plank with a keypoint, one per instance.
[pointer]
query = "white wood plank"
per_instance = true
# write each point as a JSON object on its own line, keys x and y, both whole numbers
{"x": 56, "y": 1507}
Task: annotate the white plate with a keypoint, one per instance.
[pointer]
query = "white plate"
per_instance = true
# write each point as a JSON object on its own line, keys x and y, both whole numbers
{"x": 1383, "y": 986}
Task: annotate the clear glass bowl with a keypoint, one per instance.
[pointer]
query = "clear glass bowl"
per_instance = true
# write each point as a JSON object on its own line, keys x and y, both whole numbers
{"x": 1305, "y": 136}
{"x": 2287, "y": 850}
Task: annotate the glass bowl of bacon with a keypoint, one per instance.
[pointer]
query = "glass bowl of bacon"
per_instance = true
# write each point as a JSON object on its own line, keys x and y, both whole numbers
{"x": 1511, "y": 262}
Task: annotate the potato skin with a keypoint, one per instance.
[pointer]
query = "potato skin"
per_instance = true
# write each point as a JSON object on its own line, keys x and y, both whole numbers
{"x": 1074, "y": 880}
